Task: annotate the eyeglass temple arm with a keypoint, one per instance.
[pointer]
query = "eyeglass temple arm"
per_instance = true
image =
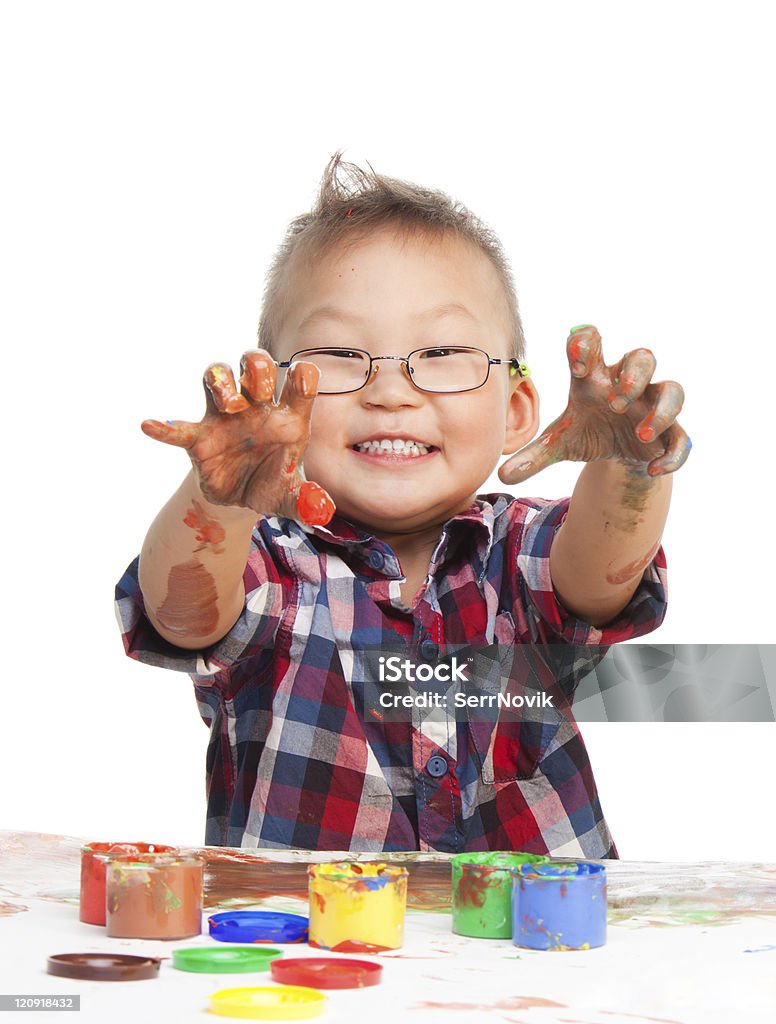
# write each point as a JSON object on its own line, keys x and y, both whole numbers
{"x": 515, "y": 366}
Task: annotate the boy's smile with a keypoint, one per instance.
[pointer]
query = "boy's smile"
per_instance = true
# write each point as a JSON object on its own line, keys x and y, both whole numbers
{"x": 395, "y": 459}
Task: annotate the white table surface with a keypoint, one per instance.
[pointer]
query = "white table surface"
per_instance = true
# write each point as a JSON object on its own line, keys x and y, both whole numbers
{"x": 686, "y": 943}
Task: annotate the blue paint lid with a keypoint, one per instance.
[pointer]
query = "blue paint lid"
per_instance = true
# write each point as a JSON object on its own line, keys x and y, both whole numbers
{"x": 258, "y": 926}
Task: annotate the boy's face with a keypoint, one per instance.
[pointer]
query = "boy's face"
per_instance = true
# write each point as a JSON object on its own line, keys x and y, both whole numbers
{"x": 386, "y": 290}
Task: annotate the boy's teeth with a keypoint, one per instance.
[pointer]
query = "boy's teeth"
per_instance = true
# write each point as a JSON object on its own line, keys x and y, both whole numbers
{"x": 397, "y": 447}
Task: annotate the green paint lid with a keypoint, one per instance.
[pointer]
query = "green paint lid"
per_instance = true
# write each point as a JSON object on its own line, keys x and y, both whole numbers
{"x": 224, "y": 959}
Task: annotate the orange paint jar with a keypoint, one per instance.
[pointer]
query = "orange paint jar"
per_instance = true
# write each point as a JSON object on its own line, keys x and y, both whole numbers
{"x": 94, "y": 858}
{"x": 154, "y": 896}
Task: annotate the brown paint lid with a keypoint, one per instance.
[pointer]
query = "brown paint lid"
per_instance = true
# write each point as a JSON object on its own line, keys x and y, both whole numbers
{"x": 104, "y": 966}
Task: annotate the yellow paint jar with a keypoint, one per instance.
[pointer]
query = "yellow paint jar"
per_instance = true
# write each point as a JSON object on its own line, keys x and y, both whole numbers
{"x": 357, "y": 908}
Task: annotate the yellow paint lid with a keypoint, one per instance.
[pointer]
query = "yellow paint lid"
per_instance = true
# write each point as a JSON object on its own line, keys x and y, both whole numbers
{"x": 284, "y": 1002}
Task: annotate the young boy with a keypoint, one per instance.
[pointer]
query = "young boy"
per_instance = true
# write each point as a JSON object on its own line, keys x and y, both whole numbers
{"x": 397, "y": 308}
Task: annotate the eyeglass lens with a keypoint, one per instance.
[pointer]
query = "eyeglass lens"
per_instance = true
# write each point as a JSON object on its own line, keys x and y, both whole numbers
{"x": 431, "y": 369}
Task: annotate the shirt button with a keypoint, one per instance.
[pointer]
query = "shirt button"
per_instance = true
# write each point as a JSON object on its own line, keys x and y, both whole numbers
{"x": 376, "y": 559}
{"x": 436, "y": 767}
{"x": 428, "y": 649}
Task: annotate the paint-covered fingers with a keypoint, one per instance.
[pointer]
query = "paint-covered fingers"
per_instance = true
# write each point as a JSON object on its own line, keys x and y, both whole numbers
{"x": 221, "y": 391}
{"x": 258, "y": 375}
{"x": 300, "y": 387}
{"x": 677, "y": 450}
{"x": 549, "y": 447}
{"x": 631, "y": 379}
{"x": 176, "y": 432}
{"x": 666, "y": 399}
{"x": 583, "y": 349}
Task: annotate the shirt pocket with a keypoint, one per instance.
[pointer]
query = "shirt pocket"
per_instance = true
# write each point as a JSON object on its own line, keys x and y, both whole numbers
{"x": 513, "y": 749}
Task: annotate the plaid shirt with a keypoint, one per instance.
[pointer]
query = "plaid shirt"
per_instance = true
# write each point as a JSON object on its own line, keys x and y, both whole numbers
{"x": 293, "y": 760}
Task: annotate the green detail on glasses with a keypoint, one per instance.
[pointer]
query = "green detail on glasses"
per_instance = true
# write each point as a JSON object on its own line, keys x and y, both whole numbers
{"x": 521, "y": 368}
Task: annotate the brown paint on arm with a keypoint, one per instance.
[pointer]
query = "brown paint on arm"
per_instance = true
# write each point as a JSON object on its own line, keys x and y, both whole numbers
{"x": 210, "y": 532}
{"x": 190, "y": 606}
{"x": 633, "y": 569}
{"x": 634, "y": 499}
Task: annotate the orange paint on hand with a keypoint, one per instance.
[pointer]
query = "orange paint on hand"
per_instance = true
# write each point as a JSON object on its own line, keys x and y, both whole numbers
{"x": 236, "y": 403}
{"x": 558, "y": 429}
{"x": 314, "y": 505}
{"x": 210, "y": 533}
{"x": 645, "y": 432}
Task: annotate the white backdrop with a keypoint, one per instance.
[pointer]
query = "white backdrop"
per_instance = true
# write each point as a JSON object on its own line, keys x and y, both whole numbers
{"x": 153, "y": 154}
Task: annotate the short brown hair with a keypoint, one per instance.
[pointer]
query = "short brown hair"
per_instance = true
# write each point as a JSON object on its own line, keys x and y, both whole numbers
{"x": 353, "y": 202}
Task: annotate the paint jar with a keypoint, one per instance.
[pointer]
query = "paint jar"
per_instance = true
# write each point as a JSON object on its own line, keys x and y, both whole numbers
{"x": 482, "y": 892}
{"x": 94, "y": 858}
{"x": 559, "y": 905}
{"x": 357, "y": 908}
{"x": 154, "y": 896}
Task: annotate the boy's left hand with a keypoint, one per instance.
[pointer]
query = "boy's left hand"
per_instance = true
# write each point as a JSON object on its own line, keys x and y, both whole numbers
{"x": 613, "y": 412}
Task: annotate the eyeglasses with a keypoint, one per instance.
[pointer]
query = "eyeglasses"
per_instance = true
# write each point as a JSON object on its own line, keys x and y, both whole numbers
{"x": 439, "y": 370}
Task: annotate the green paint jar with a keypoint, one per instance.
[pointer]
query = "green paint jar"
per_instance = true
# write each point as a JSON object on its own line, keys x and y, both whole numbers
{"x": 482, "y": 892}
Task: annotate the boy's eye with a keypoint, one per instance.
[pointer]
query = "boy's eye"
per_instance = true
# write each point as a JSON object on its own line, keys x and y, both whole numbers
{"x": 438, "y": 353}
{"x": 340, "y": 353}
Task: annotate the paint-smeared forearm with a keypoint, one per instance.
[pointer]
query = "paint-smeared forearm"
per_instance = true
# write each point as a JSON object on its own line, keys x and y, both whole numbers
{"x": 246, "y": 455}
{"x": 191, "y": 567}
{"x": 624, "y": 427}
{"x": 611, "y": 534}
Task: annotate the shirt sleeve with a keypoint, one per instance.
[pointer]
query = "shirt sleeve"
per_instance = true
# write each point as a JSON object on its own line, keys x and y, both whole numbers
{"x": 253, "y": 632}
{"x": 546, "y": 620}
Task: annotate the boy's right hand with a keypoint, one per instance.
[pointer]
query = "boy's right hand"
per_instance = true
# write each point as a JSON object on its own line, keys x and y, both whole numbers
{"x": 247, "y": 449}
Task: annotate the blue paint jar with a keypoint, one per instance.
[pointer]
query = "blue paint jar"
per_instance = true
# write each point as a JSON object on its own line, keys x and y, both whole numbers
{"x": 559, "y": 905}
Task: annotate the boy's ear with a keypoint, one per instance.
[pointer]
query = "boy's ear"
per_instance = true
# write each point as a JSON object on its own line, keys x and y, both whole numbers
{"x": 522, "y": 416}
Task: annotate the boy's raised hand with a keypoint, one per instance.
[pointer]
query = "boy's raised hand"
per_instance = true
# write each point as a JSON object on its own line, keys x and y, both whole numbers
{"x": 247, "y": 448}
{"x": 613, "y": 412}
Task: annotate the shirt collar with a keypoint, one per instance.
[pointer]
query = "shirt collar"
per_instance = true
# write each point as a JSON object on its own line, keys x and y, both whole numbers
{"x": 479, "y": 519}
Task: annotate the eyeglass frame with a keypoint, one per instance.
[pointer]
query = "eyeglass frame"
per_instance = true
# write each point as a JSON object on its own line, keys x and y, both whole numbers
{"x": 515, "y": 365}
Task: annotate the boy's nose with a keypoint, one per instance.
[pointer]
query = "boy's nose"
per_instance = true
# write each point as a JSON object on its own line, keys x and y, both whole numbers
{"x": 390, "y": 383}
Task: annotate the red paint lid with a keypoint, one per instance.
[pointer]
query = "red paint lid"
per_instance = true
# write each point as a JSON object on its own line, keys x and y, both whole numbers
{"x": 326, "y": 972}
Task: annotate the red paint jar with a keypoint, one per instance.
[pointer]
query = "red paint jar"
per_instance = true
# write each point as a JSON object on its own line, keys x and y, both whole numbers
{"x": 94, "y": 857}
{"x": 154, "y": 896}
